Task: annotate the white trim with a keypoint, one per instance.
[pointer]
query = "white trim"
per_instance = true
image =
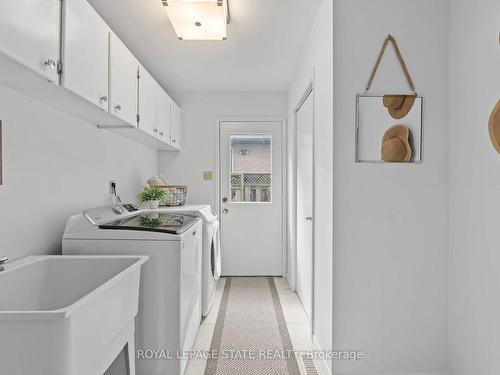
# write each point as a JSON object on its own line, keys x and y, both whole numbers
{"x": 309, "y": 90}
{"x": 284, "y": 196}
{"x": 284, "y": 180}
{"x": 323, "y": 363}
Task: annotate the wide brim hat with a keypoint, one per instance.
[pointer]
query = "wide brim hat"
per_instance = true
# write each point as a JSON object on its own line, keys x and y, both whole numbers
{"x": 399, "y": 105}
{"x": 396, "y": 145}
{"x": 494, "y": 127}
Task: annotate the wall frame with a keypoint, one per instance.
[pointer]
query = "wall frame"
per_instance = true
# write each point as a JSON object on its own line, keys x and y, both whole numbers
{"x": 373, "y": 119}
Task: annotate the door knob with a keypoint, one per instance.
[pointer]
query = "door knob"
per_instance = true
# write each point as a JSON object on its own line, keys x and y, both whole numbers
{"x": 225, "y": 210}
{"x": 309, "y": 218}
{"x": 224, "y": 200}
{"x": 103, "y": 99}
{"x": 118, "y": 107}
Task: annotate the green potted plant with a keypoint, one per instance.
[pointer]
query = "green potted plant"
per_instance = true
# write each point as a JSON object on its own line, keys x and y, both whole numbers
{"x": 152, "y": 195}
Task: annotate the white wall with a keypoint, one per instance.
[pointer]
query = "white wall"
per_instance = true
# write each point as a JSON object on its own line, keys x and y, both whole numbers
{"x": 474, "y": 279}
{"x": 56, "y": 166}
{"x": 316, "y": 62}
{"x": 199, "y": 114}
{"x": 391, "y": 220}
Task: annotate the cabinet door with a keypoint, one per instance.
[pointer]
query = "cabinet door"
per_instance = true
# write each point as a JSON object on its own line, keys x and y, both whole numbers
{"x": 123, "y": 81}
{"x": 163, "y": 114}
{"x": 29, "y": 34}
{"x": 147, "y": 102}
{"x": 85, "y": 52}
{"x": 176, "y": 125}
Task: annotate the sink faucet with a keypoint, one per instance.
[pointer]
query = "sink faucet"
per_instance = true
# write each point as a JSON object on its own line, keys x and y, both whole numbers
{"x": 3, "y": 260}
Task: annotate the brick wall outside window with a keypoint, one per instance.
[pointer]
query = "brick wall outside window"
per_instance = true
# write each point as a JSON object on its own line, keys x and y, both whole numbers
{"x": 258, "y": 159}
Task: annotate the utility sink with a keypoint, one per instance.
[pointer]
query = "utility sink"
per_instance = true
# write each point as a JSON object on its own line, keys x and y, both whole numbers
{"x": 67, "y": 315}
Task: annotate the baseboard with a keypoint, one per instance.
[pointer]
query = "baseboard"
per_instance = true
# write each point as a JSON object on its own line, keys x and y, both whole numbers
{"x": 322, "y": 363}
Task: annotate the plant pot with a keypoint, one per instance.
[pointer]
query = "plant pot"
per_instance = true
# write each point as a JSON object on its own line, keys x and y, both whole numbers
{"x": 154, "y": 204}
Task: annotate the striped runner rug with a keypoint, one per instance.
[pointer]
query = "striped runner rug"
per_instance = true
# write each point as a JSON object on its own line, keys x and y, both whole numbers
{"x": 251, "y": 336}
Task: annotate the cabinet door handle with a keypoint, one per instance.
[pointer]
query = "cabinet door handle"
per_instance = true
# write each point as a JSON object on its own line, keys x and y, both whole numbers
{"x": 161, "y": 133}
{"x": 50, "y": 63}
{"x": 155, "y": 130}
{"x": 118, "y": 107}
{"x": 103, "y": 99}
{"x": 173, "y": 140}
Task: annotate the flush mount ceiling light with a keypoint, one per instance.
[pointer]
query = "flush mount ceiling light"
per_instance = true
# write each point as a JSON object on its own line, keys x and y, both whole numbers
{"x": 198, "y": 19}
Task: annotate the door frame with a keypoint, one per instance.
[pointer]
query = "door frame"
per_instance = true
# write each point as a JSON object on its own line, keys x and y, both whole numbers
{"x": 309, "y": 90}
{"x": 284, "y": 186}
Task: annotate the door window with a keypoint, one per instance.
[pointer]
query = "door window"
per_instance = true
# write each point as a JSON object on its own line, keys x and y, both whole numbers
{"x": 251, "y": 168}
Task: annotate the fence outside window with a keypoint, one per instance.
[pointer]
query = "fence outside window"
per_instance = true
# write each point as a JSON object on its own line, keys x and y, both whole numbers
{"x": 251, "y": 187}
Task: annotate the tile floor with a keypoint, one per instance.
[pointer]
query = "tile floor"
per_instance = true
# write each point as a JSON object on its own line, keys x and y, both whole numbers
{"x": 295, "y": 317}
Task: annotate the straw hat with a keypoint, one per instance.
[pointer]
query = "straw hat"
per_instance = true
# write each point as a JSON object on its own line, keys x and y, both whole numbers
{"x": 395, "y": 144}
{"x": 494, "y": 127}
{"x": 399, "y": 105}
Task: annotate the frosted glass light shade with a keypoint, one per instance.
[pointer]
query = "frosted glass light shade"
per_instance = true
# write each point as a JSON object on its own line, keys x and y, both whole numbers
{"x": 198, "y": 19}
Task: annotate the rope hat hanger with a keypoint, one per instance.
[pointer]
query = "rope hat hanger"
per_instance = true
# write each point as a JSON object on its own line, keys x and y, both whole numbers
{"x": 391, "y": 39}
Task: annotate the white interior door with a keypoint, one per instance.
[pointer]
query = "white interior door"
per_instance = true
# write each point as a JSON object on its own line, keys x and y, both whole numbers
{"x": 251, "y": 198}
{"x": 305, "y": 121}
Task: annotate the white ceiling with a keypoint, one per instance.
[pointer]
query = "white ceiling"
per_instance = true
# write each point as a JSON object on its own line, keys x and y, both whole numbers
{"x": 265, "y": 38}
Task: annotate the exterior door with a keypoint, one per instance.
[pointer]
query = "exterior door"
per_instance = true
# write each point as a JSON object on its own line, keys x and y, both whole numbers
{"x": 251, "y": 198}
{"x": 305, "y": 193}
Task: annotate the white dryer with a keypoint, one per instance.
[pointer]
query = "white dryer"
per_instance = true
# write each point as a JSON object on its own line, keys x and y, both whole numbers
{"x": 211, "y": 249}
{"x": 170, "y": 291}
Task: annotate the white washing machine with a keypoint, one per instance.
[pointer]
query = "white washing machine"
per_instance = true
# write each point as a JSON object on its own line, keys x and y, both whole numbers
{"x": 170, "y": 291}
{"x": 211, "y": 249}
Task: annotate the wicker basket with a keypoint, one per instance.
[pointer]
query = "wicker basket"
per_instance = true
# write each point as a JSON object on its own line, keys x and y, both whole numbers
{"x": 175, "y": 195}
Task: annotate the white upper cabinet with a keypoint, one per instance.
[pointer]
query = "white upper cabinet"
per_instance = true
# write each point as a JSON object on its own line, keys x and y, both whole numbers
{"x": 147, "y": 102}
{"x": 176, "y": 126}
{"x": 163, "y": 114}
{"x": 85, "y": 52}
{"x": 95, "y": 76}
{"x": 29, "y": 34}
{"x": 123, "y": 81}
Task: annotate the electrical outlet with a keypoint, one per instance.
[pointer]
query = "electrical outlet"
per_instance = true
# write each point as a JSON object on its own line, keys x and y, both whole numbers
{"x": 112, "y": 186}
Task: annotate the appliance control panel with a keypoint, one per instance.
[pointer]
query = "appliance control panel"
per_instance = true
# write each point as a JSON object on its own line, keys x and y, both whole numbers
{"x": 130, "y": 207}
{"x": 106, "y": 214}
